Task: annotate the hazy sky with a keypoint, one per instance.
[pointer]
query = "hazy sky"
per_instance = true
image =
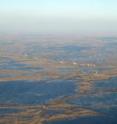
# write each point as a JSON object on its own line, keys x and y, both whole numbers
{"x": 44, "y": 16}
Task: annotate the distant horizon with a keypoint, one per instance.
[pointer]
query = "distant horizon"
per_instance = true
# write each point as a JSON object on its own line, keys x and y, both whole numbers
{"x": 82, "y": 17}
{"x": 59, "y": 34}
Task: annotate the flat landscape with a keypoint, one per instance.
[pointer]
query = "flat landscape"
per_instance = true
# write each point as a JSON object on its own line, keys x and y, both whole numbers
{"x": 53, "y": 79}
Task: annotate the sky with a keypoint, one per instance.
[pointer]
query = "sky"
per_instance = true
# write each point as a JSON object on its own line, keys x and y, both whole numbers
{"x": 59, "y": 16}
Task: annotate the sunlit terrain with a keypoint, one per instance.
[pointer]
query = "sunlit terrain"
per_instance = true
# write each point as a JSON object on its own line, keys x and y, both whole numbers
{"x": 47, "y": 79}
